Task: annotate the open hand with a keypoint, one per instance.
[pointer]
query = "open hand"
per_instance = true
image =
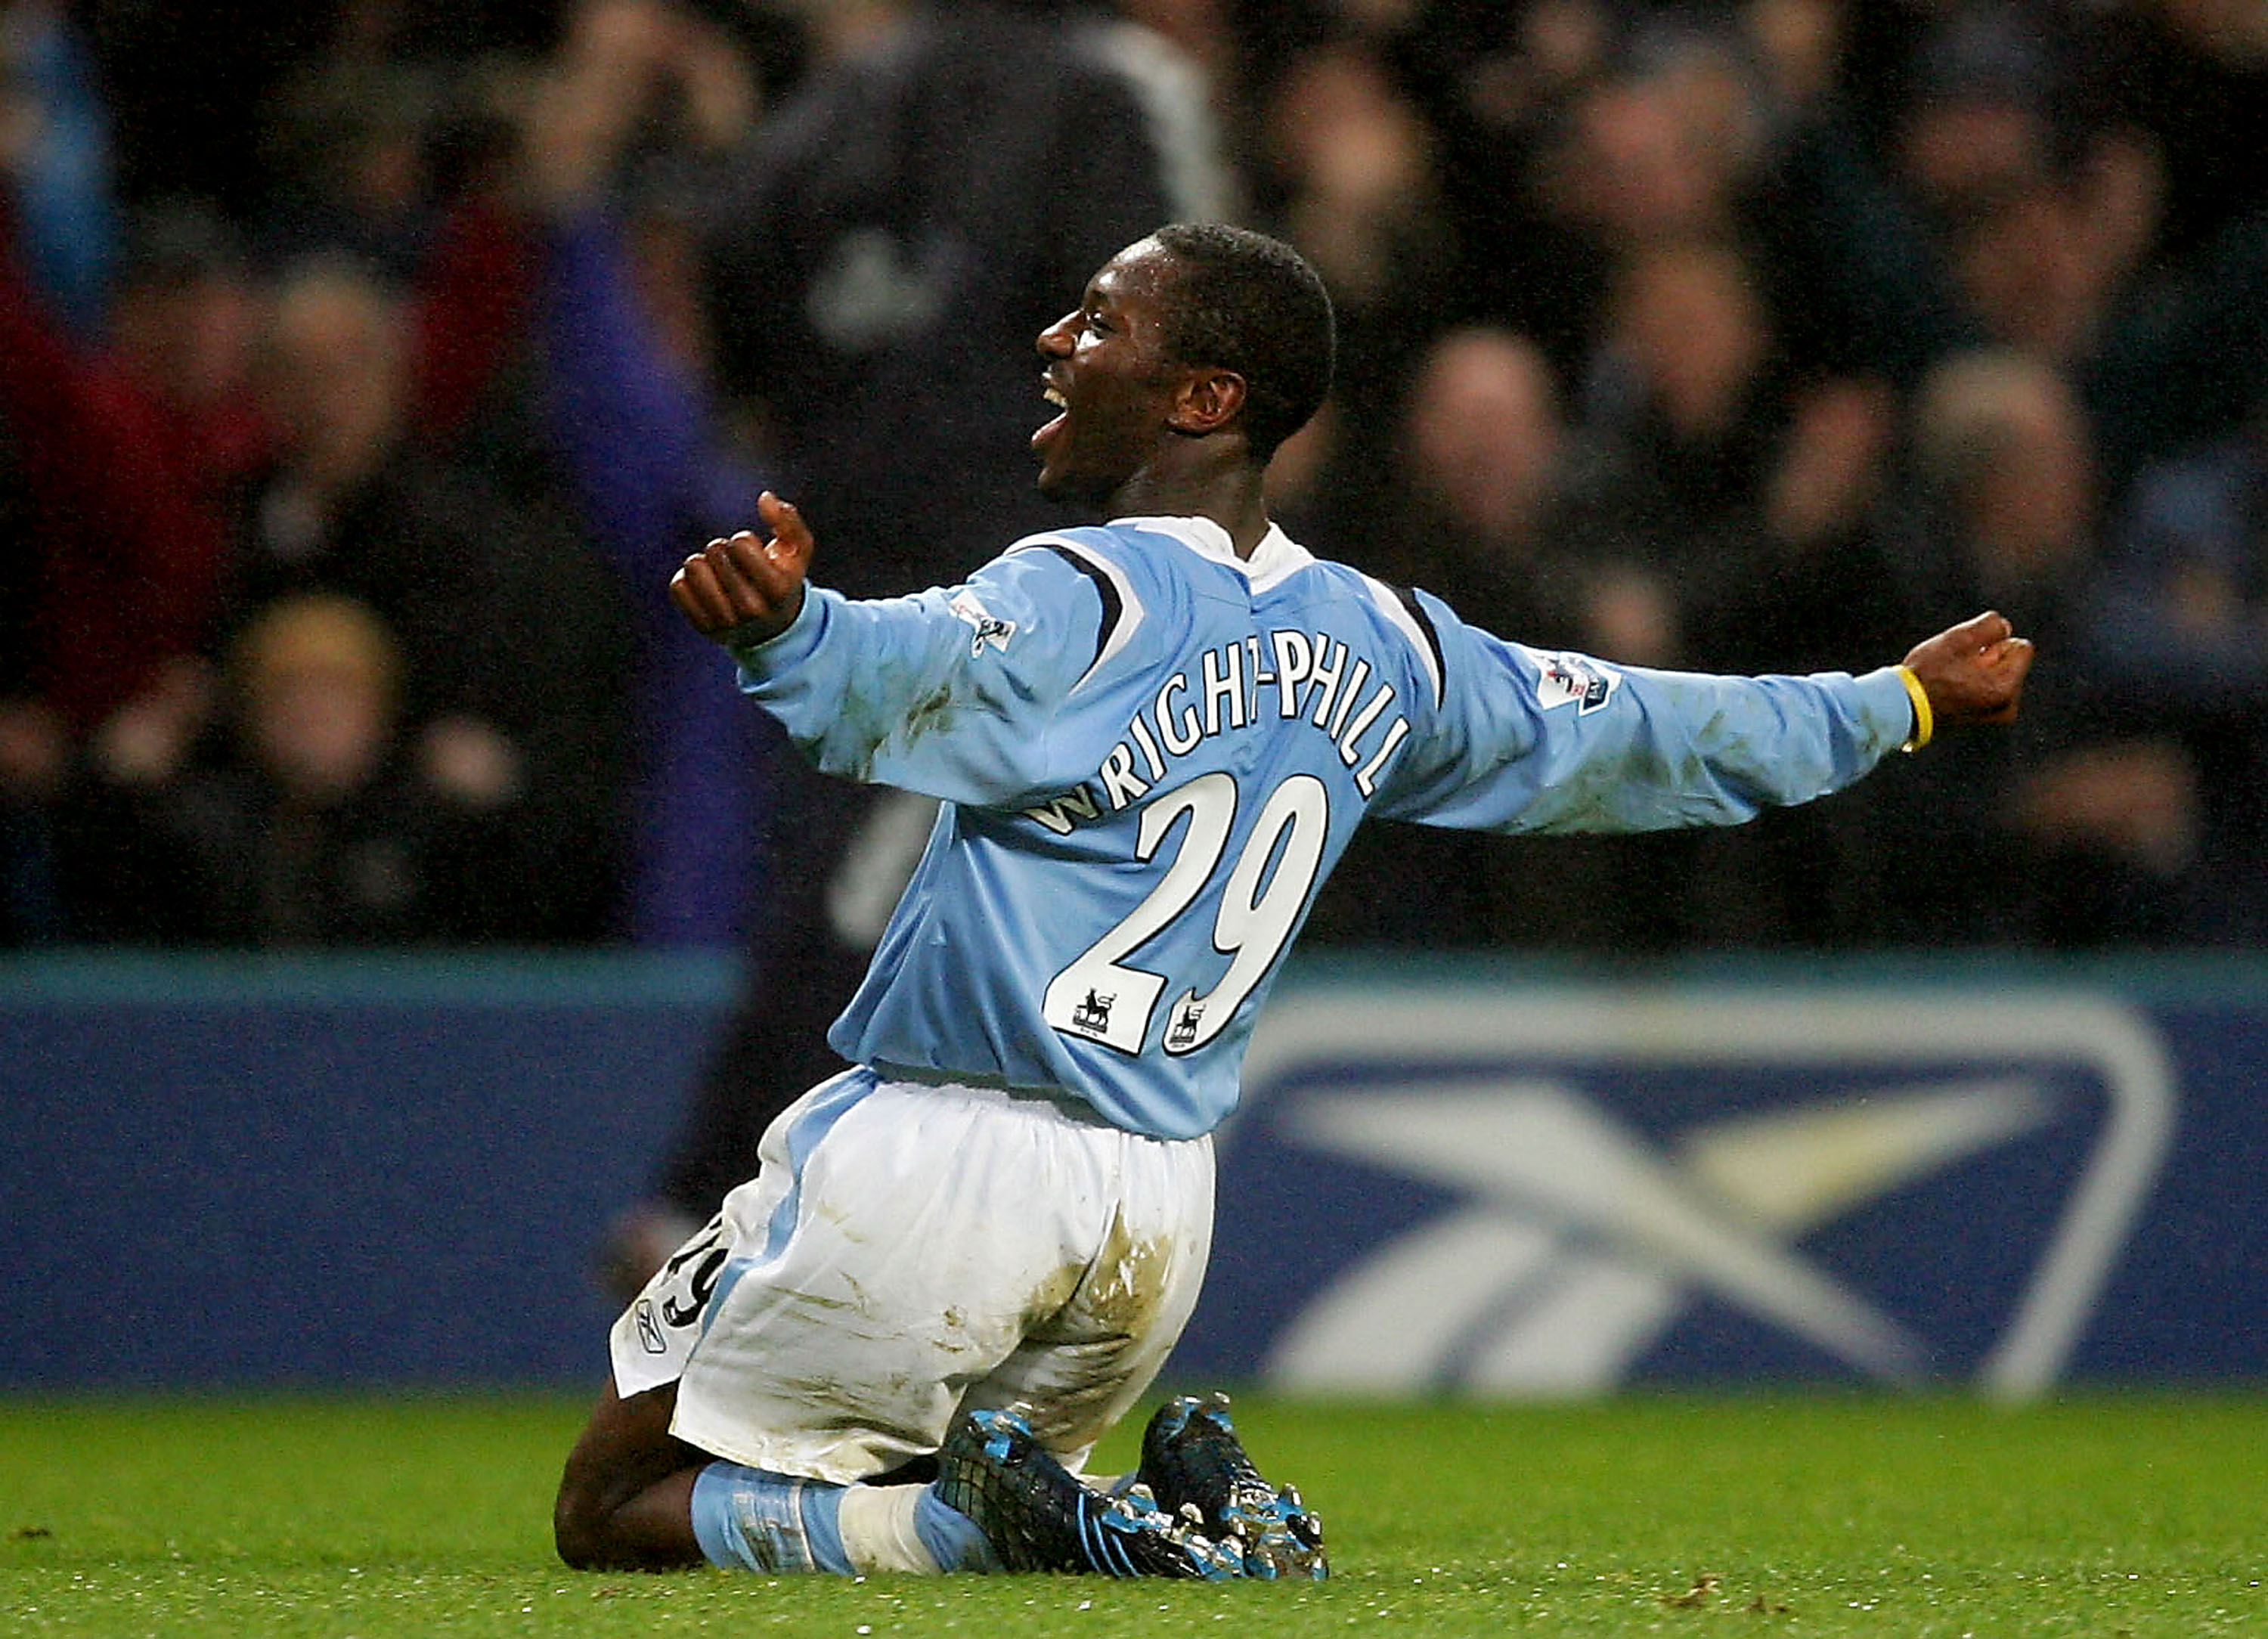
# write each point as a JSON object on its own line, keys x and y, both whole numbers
{"x": 1973, "y": 673}
{"x": 741, "y": 590}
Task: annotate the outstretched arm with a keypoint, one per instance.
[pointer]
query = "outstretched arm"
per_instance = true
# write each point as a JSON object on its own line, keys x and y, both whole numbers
{"x": 1531, "y": 741}
{"x": 951, "y": 691}
{"x": 741, "y": 590}
{"x": 1972, "y": 673}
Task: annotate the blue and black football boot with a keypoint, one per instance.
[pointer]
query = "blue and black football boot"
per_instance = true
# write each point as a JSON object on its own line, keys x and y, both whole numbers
{"x": 1197, "y": 1470}
{"x": 1039, "y": 1516}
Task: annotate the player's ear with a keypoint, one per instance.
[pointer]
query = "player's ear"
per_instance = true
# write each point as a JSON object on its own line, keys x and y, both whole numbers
{"x": 1207, "y": 401}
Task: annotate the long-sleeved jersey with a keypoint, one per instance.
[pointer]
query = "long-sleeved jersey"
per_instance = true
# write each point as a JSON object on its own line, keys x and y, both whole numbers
{"x": 1149, "y": 754}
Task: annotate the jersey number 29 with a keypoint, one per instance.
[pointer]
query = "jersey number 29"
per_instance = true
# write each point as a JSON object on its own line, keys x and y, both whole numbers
{"x": 1098, "y": 997}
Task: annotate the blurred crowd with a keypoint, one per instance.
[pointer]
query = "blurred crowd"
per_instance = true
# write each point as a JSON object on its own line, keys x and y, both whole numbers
{"x": 366, "y": 367}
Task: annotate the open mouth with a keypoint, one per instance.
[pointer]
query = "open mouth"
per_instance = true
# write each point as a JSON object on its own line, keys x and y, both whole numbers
{"x": 1054, "y": 396}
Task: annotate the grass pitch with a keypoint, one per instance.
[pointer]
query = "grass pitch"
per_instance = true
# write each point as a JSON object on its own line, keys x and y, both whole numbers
{"x": 1800, "y": 1516}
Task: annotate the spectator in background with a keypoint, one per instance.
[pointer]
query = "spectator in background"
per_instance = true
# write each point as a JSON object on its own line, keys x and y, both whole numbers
{"x": 349, "y": 147}
{"x": 124, "y": 455}
{"x": 1894, "y": 184}
{"x": 882, "y": 253}
{"x": 128, "y": 424}
{"x": 2099, "y": 844}
{"x": 2046, "y": 217}
{"x": 2181, "y": 622}
{"x": 632, "y": 412}
{"x": 1983, "y": 119}
{"x": 1859, "y": 286}
{"x": 1350, "y": 174}
{"x": 1479, "y": 465}
{"x": 404, "y": 166}
{"x": 1470, "y": 516}
{"x": 143, "y": 439}
{"x": 1654, "y": 149}
{"x": 1703, "y": 473}
{"x": 1499, "y": 86}
{"x": 317, "y": 823}
{"x": 511, "y": 632}
{"x": 2185, "y": 592}
{"x": 2039, "y": 165}
{"x": 2190, "y": 77}
{"x": 56, "y": 159}
{"x": 2005, "y": 486}
{"x": 860, "y": 274}
{"x": 1711, "y": 510}
{"x": 1344, "y": 167}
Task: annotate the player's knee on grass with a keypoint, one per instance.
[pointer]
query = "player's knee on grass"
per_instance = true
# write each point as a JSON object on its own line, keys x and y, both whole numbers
{"x": 622, "y": 1503}
{"x": 578, "y": 1529}
{"x": 582, "y": 1518}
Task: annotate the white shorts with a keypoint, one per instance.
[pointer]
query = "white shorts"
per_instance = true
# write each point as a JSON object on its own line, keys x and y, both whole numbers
{"x": 907, "y": 1251}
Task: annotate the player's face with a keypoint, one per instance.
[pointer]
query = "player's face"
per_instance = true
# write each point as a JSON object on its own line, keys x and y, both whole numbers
{"x": 1109, "y": 370}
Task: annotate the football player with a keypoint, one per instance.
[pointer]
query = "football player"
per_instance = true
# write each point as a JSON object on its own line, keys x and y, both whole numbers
{"x": 962, "y": 1261}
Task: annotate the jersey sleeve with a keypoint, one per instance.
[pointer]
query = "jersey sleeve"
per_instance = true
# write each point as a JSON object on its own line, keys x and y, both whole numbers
{"x": 1529, "y": 741}
{"x": 953, "y": 692}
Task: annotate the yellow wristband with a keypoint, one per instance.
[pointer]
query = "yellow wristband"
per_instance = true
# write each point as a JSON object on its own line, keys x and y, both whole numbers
{"x": 1924, "y": 723}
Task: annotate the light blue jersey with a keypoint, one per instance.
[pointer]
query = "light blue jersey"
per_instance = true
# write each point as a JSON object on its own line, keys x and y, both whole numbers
{"x": 1151, "y": 754}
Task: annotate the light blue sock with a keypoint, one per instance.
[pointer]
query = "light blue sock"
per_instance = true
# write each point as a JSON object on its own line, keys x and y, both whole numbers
{"x": 951, "y": 1536}
{"x": 748, "y": 1519}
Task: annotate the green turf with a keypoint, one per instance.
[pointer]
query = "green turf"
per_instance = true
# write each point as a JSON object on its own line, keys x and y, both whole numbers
{"x": 1803, "y": 1516}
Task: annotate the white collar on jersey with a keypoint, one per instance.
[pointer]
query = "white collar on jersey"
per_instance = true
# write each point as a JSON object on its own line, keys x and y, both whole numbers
{"x": 1276, "y": 556}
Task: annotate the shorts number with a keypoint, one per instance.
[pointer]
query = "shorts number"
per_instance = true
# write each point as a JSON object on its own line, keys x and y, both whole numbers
{"x": 1098, "y": 997}
{"x": 707, "y": 1254}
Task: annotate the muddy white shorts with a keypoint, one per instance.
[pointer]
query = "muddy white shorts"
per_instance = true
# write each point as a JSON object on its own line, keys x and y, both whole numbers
{"x": 906, "y": 1252}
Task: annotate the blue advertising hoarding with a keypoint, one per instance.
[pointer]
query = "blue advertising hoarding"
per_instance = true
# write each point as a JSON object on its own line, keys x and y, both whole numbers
{"x": 1972, "y": 1180}
{"x": 1465, "y": 1177}
{"x": 224, "y": 1171}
